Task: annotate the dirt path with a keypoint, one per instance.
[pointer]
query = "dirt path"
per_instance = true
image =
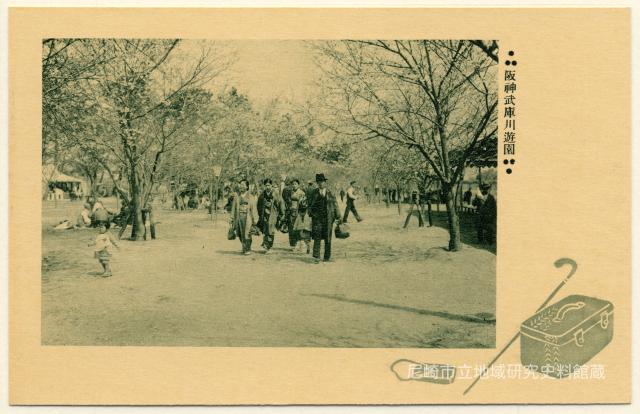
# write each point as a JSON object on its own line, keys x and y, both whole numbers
{"x": 388, "y": 287}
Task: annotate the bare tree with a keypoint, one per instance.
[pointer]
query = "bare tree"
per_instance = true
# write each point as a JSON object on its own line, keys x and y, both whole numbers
{"x": 63, "y": 68}
{"x": 142, "y": 100}
{"x": 438, "y": 98}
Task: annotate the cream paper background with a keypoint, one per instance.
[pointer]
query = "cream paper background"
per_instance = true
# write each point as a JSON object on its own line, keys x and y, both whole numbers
{"x": 569, "y": 196}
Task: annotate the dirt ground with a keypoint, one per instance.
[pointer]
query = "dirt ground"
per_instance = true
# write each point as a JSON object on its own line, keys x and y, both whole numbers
{"x": 388, "y": 287}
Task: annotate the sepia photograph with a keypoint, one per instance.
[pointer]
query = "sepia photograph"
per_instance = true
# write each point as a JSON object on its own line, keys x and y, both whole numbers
{"x": 269, "y": 193}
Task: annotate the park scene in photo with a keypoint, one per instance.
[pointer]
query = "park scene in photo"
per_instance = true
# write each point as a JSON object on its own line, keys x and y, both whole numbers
{"x": 255, "y": 193}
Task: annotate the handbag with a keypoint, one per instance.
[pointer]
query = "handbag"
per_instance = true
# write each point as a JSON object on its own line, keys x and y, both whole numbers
{"x": 282, "y": 225}
{"x": 231, "y": 233}
{"x": 254, "y": 231}
{"x": 341, "y": 232}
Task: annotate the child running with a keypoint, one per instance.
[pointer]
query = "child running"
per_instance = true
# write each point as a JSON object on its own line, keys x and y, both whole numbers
{"x": 104, "y": 241}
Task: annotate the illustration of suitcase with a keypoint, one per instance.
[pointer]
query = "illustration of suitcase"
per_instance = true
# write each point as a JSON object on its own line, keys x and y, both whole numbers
{"x": 563, "y": 336}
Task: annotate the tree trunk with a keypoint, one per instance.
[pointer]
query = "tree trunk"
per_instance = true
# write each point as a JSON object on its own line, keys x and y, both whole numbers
{"x": 399, "y": 200}
{"x": 145, "y": 224}
{"x": 458, "y": 202}
{"x": 211, "y": 199}
{"x": 136, "y": 202}
{"x": 452, "y": 215}
{"x": 406, "y": 222}
{"x": 152, "y": 224}
{"x": 93, "y": 182}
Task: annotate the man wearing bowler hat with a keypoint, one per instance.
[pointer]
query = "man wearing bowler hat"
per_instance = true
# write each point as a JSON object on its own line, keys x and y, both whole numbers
{"x": 323, "y": 209}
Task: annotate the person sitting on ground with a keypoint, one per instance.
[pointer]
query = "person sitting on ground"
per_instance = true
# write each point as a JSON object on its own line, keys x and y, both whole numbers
{"x": 63, "y": 225}
{"x": 84, "y": 218}
{"x": 96, "y": 204}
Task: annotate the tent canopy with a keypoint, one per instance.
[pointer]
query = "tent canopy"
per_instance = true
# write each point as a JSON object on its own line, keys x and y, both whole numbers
{"x": 52, "y": 175}
{"x": 64, "y": 178}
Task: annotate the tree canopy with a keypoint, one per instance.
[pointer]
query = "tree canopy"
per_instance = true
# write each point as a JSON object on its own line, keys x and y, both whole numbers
{"x": 149, "y": 111}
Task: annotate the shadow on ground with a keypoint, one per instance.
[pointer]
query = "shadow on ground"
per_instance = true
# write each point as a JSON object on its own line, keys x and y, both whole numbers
{"x": 483, "y": 318}
{"x": 388, "y": 287}
{"x": 468, "y": 233}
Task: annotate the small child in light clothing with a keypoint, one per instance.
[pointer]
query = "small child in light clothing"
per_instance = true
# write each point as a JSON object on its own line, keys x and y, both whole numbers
{"x": 302, "y": 225}
{"x": 104, "y": 241}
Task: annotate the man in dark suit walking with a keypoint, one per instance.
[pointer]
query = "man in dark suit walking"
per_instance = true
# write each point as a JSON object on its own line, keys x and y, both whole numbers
{"x": 323, "y": 209}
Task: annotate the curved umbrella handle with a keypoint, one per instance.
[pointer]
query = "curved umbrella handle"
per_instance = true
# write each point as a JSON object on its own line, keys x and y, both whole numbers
{"x": 566, "y": 261}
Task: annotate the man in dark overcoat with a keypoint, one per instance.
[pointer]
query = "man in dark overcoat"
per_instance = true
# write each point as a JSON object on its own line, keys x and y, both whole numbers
{"x": 323, "y": 209}
{"x": 486, "y": 221}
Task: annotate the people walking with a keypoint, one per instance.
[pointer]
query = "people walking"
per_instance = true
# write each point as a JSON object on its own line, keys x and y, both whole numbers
{"x": 231, "y": 194}
{"x": 244, "y": 216}
{"x": 302, "y": 225}
{"x": 323, "y": 209}
{"x": 270, "y": 212}
{"x": 351, "y": 204}
{"x": 284, "y": 189}
{"x": 295, "y": 197}
{"x": 309, "y": 190}
{"x": 285, "y": 192}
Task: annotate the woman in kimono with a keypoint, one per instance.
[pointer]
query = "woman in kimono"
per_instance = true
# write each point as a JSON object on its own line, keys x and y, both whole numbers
{"x": 296, "y": 196}
{"x": 302, "y": 224}
{"x": 271, "y": 213}
{"x": 244, "y": 216}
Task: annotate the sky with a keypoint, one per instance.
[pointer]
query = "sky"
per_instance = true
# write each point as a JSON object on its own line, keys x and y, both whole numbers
{"x": 265, "y": 69}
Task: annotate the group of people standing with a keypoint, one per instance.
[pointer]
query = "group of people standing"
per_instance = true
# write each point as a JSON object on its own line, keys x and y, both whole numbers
{"x": 486, "y": 212}
{"x": 306, "y": 215}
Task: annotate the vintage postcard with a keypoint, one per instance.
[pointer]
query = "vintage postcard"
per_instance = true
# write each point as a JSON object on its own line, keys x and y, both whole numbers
{"x": 319, "y": 206}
